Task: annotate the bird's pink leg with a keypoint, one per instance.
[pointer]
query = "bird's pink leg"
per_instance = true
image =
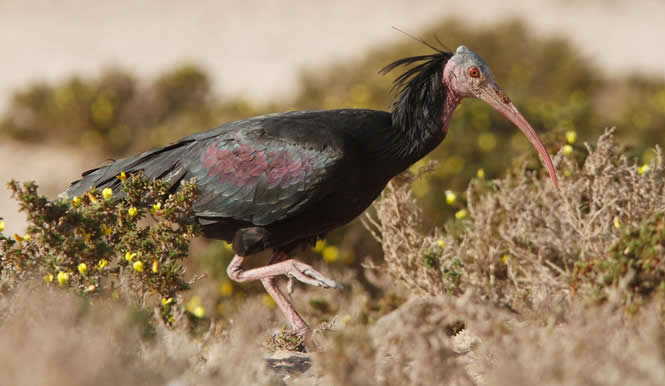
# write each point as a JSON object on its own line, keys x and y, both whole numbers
{"x": 279, "y": 265}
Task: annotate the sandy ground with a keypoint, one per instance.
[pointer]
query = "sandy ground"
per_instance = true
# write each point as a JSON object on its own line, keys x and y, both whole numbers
{"x": 256, "y": 47}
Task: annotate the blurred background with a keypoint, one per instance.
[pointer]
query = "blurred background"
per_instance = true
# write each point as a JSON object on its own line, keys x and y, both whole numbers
{"x": 82, "y": 82}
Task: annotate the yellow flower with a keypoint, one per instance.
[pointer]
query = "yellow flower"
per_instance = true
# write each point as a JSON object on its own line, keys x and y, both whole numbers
{"x": 155, "y": 266}
{"x": 107, "y": 193}
{"x": 460, "y": 214}
{"x": 330, "y": 254}
{"x": 268, "y": 301}
{"x": 195, "y": 307}
{"x": 122, "y": 177}
{"x": 505, "y": 258}
{"x": 63, "y": 278}
{"x": 92, "y": 197}
{"x": 617, "y": 223}
{"x": 27, "y": 237}
{"x": 48, "y": 278}
{"x": 76, "y": 201}
{"x": 19, "y": 239}
{"x": 132, "y": 211}
{"x": 2, "y": 225}
{"x": 130, "y": 256}
{"x": 481, "y": 173}
{"x": 320, "y": 246}
{"x": 156, "y": 208}
{"x": 643, "y": 169}
{"x": 567, "y": 149}
{"x": 106, "y": 230}
{"x": 102, "y": 263}
{"x": 571, "y": 136}
{"x": 138, "y": 266}
{"x": 86, "y": 236}
{"x": 83, "y": 268}
{"x": 226, "y": 288}
{"x": 167, "y": 301}
{"x": 441, "y": 243}
{"x": 451, "y": 197}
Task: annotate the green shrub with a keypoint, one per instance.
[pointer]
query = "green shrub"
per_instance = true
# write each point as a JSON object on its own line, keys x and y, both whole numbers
{"x": 101, "y": 245}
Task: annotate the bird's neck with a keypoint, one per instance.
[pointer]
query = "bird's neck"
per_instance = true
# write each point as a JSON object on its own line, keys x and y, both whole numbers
{"x": 413, "y": 142}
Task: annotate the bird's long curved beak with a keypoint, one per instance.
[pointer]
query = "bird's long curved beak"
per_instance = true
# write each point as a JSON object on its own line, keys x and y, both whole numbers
{"x": 496, "y": 98}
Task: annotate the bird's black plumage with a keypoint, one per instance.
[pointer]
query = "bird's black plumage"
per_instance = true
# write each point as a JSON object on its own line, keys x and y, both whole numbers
{"x": 277, "y": 180}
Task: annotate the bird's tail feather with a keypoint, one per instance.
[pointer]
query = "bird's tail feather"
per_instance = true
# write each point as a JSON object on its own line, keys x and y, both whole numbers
{"x": 163, "y": 162}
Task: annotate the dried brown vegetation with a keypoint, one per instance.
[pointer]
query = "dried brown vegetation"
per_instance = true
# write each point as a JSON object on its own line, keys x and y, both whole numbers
{"x": 533, "y": 286}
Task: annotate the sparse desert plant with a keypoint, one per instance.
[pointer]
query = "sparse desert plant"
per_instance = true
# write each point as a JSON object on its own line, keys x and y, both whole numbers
{"x": 527, "y": 246}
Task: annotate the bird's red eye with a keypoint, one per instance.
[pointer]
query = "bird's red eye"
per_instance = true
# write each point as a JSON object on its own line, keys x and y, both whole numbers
{"x": 474, "y": 72}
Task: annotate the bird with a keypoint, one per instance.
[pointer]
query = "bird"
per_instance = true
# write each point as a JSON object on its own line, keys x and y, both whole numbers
{"x": 284, "y": 180}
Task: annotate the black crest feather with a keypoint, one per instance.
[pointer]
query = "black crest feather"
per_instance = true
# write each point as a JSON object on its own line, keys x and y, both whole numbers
{"x": 419, "y": 92}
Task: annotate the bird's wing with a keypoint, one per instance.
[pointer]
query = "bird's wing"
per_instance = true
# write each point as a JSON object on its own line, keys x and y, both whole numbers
{"x": 265, "y": 170}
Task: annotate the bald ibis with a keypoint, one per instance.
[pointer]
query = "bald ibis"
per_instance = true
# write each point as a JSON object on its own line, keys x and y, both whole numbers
{"x": 282, "y": 180}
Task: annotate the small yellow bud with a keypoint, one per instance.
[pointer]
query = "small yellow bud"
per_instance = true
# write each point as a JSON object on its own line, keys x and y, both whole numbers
{"x": 571, "y": 136}
{"x": 122, "y": 177}
{"x": 83, "y": 268}
{"x": 27, "y": 237}
{"x": 460, "y": 214}
{"x": 48, "y": 278}
{"x": 155, "y": 266}
{"x": 92, "y": 197}
{"x": 481, "y": 173}
{"x": 63, "y": 278}
{"x": 103, "y": 263}
{"x": 107, "y": 193}
{"x": 226, "y": 288}
{"x": 130, "y": 256}
{"x": 2, "y": 225}
{"x": 156, "y": 208}
{"x": 451, "y": 197}
{"x": 86, "y": 236}
{"x": 643, "y": 169}
{"x": 195, "y": 307}
{"x": 133, "y": 211}
{"x": 76, "y": 201}
{"x": 330, "y": 254}
{"x": 19, "y": 240}
{"x": 505, "y": 258}
{"x": 138, "y": 266}
{"x": 320, "y": 246}
{"x": 441, "y": 243}
{"x": 268, "y": 301}
{"x": 106, "y": 230}
{"x": 617, "y": 223}
{"x": 567, "y": 149}
{"x": 167, "y": 301}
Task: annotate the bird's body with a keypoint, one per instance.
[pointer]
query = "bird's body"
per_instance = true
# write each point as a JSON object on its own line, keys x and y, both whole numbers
{"x": 289, "y": 177}
{"x": 281, "y": 180}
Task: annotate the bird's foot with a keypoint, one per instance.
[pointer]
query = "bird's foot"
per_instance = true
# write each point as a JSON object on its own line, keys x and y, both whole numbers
{"x": 291, "y": 268}
{"x": 307, "y": 274}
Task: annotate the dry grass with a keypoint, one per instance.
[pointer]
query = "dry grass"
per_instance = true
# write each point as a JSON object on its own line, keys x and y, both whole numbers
{"x": 529, "y": 289}
{"x": 523, "y": 238}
